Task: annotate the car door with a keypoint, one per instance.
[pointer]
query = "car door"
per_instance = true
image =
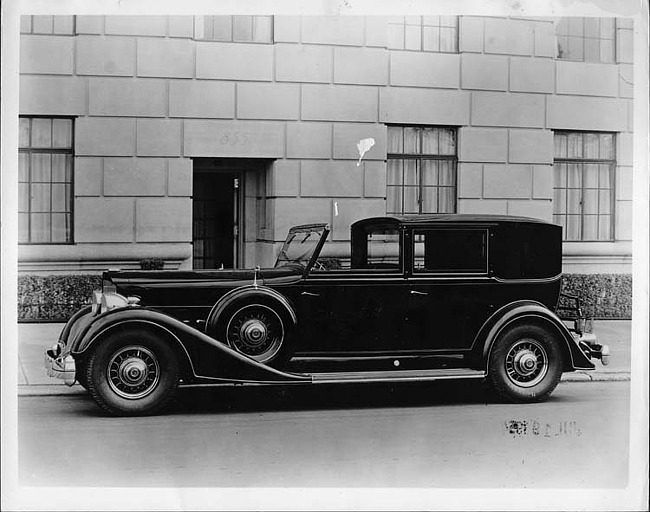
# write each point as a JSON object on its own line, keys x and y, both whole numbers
{"x": 357, "y": 311}
{"x": 448, "y": 287}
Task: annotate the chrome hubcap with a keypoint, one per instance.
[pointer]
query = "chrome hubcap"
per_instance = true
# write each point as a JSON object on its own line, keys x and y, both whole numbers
{"x": 526, "y": 363}
{"x": 133, "y": 372}
{"x": 256, "y": 331}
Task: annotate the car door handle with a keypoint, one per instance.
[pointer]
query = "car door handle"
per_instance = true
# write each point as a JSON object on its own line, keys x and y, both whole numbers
{"x": 309, "y": 294}
{"x": 415, "y": 292}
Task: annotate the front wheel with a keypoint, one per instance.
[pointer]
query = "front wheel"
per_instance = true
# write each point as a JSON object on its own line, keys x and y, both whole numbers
{"x": 525, "y": 364}
{"x": 132, "y": 373}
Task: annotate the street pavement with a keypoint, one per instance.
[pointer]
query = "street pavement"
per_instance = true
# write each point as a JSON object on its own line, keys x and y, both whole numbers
{"x": 35, "y": 338}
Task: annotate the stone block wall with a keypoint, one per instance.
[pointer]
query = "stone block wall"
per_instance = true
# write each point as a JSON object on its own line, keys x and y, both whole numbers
{"x": 149, "y": 98}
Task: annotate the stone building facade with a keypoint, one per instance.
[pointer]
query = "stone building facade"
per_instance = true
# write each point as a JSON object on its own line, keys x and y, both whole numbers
{"x": 200, "y": 139}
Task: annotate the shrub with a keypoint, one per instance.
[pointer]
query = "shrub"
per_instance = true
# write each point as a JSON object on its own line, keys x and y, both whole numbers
{"x": 602, "y": 295}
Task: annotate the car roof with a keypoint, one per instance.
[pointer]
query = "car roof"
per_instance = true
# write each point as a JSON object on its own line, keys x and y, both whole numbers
{"x": 434, "y": 218}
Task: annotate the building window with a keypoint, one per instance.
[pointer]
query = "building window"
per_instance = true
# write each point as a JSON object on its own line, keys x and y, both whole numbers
{"x": 421, "y": 170}
{"x": 45, "y": 180}
{"x": 235, "y": 29}
{"x": 586, "y": 39}
{"x": 424, "y": 33}
{"x": 58, "y": 25}
{"x": 584, "y": 195}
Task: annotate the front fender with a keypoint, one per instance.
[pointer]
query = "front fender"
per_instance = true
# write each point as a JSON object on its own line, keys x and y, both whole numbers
{"x": 206, "y": 357}
{"x": 533, "y": 312}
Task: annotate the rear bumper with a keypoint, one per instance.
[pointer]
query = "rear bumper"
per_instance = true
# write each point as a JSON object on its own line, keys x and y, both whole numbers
{"x": 61, "y": 367}
{"x": 589, "y": 345}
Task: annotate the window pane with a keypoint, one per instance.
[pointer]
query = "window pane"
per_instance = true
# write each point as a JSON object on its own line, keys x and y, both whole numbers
{"x": 42, "y": 24}
{"x": 262, "y": 29}
{"x": 605, "y": 180}
{"x": 447, "y": 200}
{"x": 449, "y": 21}
{"x": 396, "y": 37}
{"x": 574, "y": 174}
{"x": 395, "y": 139}
{"x": 41, "y": 133}
{"x": 411, "y": 141}
{"x": 447, "y": 142}
{"x": 590, "y": 202}
{"x": 60, "y": 198}
{"x": 607, "y": 29}
{"x": 592, "y": 50}
{"x": 60, "y": 228}
{"x": 561, "y": 220}
{"x": 40, "y": 227}
{"x": 573, "y": 230}
{"x": 559, "y": 200}
{"x": 562, "y": 47}
{"x": 574, "y": 149}
{"x": 410, "y": 172}
{"x": 576, "y": 48}
{"x": 394, "y": 172}
{"x": 429, "y": 173}
{"x": 562, "y": 27}
{"x": 592, "y": 27}
{"x": 561, "y": 145}
{"x": 40, "y": 197}
{"x": 431, "y": 39}
{"x": 61, "y": 168}
{"x": 607, "y": 146}
{"x": 430, "y": 141}
{"x": 23, "y": 167}
{"x": 394, "y": 200}
{"x": 62, "y": 133}
{"x": 23, "y": 228}
{"x": 242, "y": 28}
{"x": 23, "y": 197}
{"x": 23, "y": 133}
{"x": 576, "y": 26}
{"x": 447, "y": 174}
{"x": 221, "y": 28}
{"x": 447, "y": 39}
{"x": 560, "y": 175}
{"x": 590, "y": 227}
{"x": 63, "y": 25}
{"x": 411, "y": 196}
{"x": 429, "y": 200}
{"x": 41, "y": 167}
{"x": 412, "y": 39}
{"x": 25, "y": 24}
{"x": 573, "y": 204}
{"x": 606, "y": 51}
{"x": 591, "y": 142}
{"x": 604, "y": 227}
{"x": 591, "y": 176}
{"x": 605, "y": 202}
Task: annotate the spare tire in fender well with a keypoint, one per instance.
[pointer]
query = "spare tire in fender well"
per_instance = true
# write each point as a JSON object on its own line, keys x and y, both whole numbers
{"x": 257, "y": 321}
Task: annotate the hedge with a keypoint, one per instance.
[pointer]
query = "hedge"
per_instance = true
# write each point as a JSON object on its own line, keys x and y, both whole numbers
{"x": 56, "y": 298}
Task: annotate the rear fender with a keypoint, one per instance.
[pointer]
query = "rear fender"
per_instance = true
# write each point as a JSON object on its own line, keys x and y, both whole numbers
{"x": 534, "y": 313}
{"x": 204, "y": 357}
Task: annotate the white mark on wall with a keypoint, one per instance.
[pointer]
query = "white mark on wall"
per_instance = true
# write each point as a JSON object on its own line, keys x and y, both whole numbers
{"x": 364, "y": 146}
{"x": 336, "y": 208}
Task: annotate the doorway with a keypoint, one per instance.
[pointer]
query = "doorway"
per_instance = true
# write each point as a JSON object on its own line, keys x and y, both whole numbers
{"x": 218, "y": 207}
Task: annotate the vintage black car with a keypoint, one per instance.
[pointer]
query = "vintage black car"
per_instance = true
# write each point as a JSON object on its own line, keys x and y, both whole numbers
{"x": 420, "y": 298}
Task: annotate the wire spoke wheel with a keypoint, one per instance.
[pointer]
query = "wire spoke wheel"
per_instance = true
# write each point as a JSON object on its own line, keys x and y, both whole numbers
{"x": 133, "y": 372}
{"x": 257, "y": 331}
{"x": 526, "y": 363}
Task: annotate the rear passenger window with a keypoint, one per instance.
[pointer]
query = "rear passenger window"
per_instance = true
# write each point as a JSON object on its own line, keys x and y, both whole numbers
{"x": 450, "y": 251}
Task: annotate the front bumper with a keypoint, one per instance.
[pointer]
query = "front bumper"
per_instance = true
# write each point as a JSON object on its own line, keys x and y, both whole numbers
{"x": 61, "y": 367}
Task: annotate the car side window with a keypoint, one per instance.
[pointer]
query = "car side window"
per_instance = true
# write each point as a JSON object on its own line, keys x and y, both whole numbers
{"x": 450, "y": 251}
{"x": 383, "y": 249}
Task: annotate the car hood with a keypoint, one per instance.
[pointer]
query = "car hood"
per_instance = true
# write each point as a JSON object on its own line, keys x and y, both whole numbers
{"x": 227, "y": 277}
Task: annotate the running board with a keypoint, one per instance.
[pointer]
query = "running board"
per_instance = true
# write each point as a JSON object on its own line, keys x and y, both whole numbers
{"x": 397, "y": 376}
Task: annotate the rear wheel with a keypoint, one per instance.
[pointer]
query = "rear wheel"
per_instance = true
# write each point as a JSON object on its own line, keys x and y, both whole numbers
{"x": 132, "y": 373}
{"x": 525, "y": 364}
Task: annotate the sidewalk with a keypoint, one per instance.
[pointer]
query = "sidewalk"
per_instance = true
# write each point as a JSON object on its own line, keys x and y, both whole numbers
{"x": 34, "y": 339}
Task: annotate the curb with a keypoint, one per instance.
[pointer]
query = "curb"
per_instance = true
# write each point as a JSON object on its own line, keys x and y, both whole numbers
{"x": 63, "y": 390}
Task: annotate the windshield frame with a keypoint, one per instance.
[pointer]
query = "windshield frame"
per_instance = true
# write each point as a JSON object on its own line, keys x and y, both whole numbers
{"x": 323, "y": 228}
